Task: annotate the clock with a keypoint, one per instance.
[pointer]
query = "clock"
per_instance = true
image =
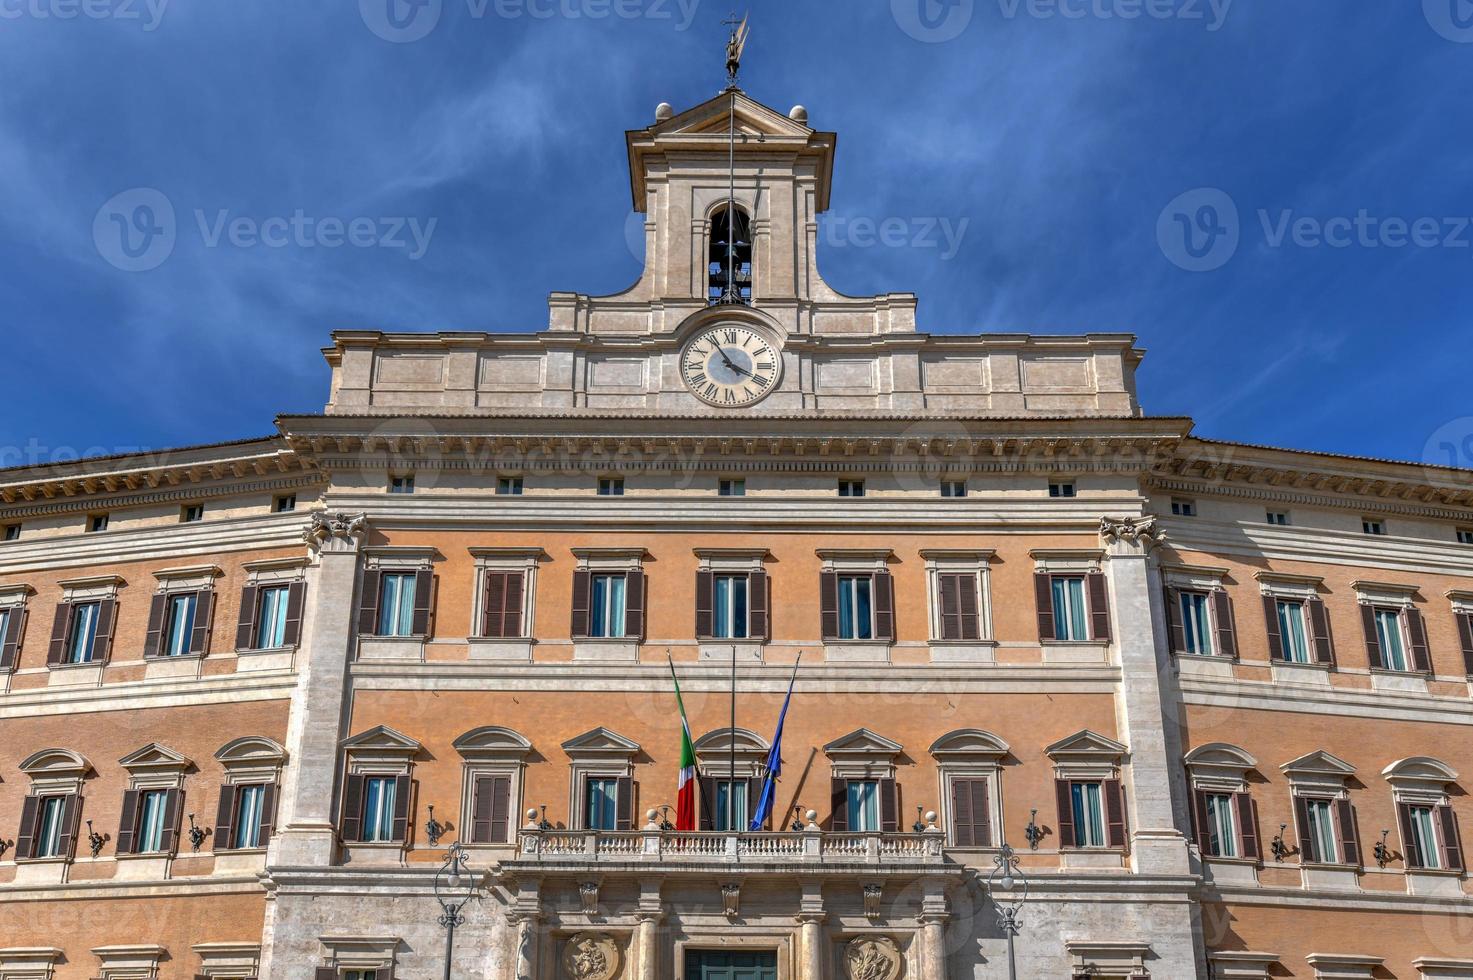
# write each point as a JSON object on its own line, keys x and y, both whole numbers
{"x": 730, "y": 366}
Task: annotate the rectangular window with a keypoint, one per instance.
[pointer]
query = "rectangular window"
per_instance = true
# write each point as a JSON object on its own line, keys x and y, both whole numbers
{"x": 610, "y": 487}
{"x": 953, "y": 488}
{"x": 1370, "y": 525}
{"x": 729, "y": 612}
{"x": 502, "y": 604}
{"x": 851, "y": 488}
{"x": 1321, "y": 831}
{"x": 396, "y": 604}
{"x": 1222, "y": 828}
{"x": 379, "y": 793}
{"x": 1465, "y": 534}
{"x": 97, "y": 523}
{"x": 1294, "y": 631}
{"x": 606, "y": 606}
{"x": 192, "y": 514}
{"x": 1071, "y": 615}
{"x": 1061, "y": 490}
{"x": 84, "y": 632}
{"x": 179, "y": 623}
{"x": 856, "y": 608}
{"x": 1196, "y": 623}
{"x": 731, "y": 797}
{"x": 249, "y": 801}
{"x": 284, "y": 504}
{"x": 1393, "y": 644}
{"x": 1278, "y": 518}
{"x": 1184, "y": 508}
{"x": 509, "y": 486}
{"x": 360, "y": 975}
{"x": 49, "y": 818}
{"x": 12, "y": 532}
{"x": 864, "y": 805}
{"x": 1422, "y": 847}
{"x": 1089, "y": 814}
{"x": 401, "y": 484}
{"x": 271, "y": 624}
{"x": 151, "y": 807}
{"x": 601, "y": 807}
{"x": 732, "y": 488}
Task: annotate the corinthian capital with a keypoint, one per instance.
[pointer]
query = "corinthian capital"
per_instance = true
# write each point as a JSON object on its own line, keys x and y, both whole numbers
{"x": 336, "y": 532}
{"x": 1136, "y": 532}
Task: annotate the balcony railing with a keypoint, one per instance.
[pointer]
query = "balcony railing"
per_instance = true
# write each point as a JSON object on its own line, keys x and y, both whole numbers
{"x": 653, "y": 845}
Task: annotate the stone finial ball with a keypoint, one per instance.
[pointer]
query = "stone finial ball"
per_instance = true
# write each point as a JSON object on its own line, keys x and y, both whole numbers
{"x": 532, "y": 813}
{"x": 664, "y": 111}
{"x": 799, "y": 115}
{"x": 811, "y": 816}
{"x": 930, "y": 816}
{"x": 651, "y": 815}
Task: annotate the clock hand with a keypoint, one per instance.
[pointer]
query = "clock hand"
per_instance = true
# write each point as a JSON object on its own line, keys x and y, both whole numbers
{"x": 732, "y": 364}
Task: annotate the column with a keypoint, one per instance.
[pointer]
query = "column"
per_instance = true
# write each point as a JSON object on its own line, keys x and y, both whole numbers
{"x": 935, "y": 911}
{"x": 1157, "y": 846}
{"x": 526, "y": 958}
{"x": 306, "y": 836}
{"x": 647, "y": 932}
{"x": 811, "y": 916}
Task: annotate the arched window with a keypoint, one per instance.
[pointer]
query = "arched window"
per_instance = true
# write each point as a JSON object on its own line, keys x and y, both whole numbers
{"x": 729, "y": 258}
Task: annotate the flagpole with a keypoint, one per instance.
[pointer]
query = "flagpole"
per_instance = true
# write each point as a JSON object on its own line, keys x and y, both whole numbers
{"x": 731, "y": 742}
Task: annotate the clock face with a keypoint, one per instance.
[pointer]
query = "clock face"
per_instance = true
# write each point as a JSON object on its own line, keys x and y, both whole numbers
{"x": 730, "y": 366}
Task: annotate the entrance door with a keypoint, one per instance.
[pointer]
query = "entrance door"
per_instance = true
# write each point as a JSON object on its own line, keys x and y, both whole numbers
{"x": 723, "y": 965}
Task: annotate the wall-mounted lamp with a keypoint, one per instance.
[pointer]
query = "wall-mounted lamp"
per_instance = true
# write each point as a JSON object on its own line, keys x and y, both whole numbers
{"x": 1278, "y": 847}
{"x": 1382, "y": 852}
{"x": 1033, "y": 832}
{"x": 95, "y": 840}
{"x": 197, "y": 835}
{"x": 434, "y": 829}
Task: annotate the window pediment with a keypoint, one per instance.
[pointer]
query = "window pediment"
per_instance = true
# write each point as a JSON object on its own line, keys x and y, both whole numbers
{"x": 1219, "y": 765}
{"x": 382, "y": 741}
{"x": 251, "y": 750}
{"x": 969, "y": 744}
{"x": 1085, "y": 744}
{"x": 154, "y": 758}
{"x": 1319, "y": 771}
{"x": 1420, "y": 779}
{"x": 493, "y": 742}
{"x": 863, "y": 742}
{"x": 600, "y": 743}
{"x": 714, "y": 752}
{"x": 58, "y": 763}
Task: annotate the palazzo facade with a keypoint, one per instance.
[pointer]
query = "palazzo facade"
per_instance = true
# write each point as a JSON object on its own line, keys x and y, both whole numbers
{"x": 1215, "y": 696}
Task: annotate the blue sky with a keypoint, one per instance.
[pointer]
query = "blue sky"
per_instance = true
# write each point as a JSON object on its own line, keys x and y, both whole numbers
{"x": 1072, "y": 145}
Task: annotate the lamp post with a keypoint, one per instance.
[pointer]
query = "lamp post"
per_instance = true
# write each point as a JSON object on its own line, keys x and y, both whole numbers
{"x": 455, "y": 885}
{"x": 1007, "y": 875}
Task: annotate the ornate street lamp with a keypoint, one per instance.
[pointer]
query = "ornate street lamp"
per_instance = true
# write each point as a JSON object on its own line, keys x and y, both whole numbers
{"x": 455, "y": 885}
{"x": 1008, "y": 876}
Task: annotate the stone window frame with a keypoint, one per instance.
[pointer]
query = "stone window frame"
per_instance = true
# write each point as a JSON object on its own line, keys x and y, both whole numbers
{"x": 492, "y": 750}
{"x": 524, "y": 560}
{"x": 1301, "y": 588}
{"x": 181, "y": 581}
{"x": 1204, "y": 579}
{"x": 29, "y": 962}
{"x": 1089, "y": 757}
{"x": 344, "y": 953}
{"x": 713, "y": 753}
{"x": 601, "y": 753}
{"x": 1222, "y": 768}
{"x": 1242, "y": 965}
{"x": 1402, "y": 598}
{"x": 1318, "y": 775}
{"x": 152, "y": 768}
{"x": 1076, "y": 561}
{"x": 860, "y": 561}
{"x": 1343, "y": 966}
{"x": 1108, "y": 959}
{"x": 56, "y": 772}
{"x": 610, "y": 560}
{"x": 15, "y": 598}
{"x": 92, "y": 588}
{"x": 971, "y": 753}
{"x": 735, "y": 561}
{"x": 863, "y": 754}
{"x": 228, "y": 961}
{"x": 395, "y": 559}
{"x": 264, "y": 574}
{"x": 131, "y": 962}
{"x": 252, "y": 760}
{"x": 974, "y": 561}
{"x": 380, "y": 751}
{"x": 1422, "y": 781}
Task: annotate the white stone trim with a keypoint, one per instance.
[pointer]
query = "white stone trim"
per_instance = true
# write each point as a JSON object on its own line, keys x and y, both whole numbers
{"x": 1219, "y": 767}
{"x": 381, "y": 751}
{"x": 732, "y": 560}
{"x": 398, "y": 558}
{"x": 596, "y": 753}
{"x": 29, "y": 962}
{"x": 361, "y": 952}
{"x": 1442, "y": 968}
{"x": 129, "y": 962}
{"x": 1195, "y": 578}
{"x": 1343, "y": 966}
{"x": 1385, "y": 595}
{"x": 1285, "y": 586}
{"x": 1319, "y": 774}
{"x": 275, "y": 571}
{"x": 251, "y": 759}
{"x": 970, "y": 753}
{"x": 862, "y": 754}
{"x": 1420, "y": 780}
{"x": 1064, "y": 561}
{"x": 1086, "y": 756}
{"x": 947, "y": 561}
{"x": 855, "y": 560}
{"x": 192, "y": 578}
{"x": 1108, "y": 958}
{"x": 491, "y": 751}
{"x": 229, "y": 961}
{"x": 92, "y": 588}
{"x": 1242, "y": 965}
{"x": 155, "y": 766}
{"x": 55, "y": 771}
{"x": 610, "y": 559}
{"x": 713, "y": 754}
{"x": 1462, "y": 601}
{"x": 14, "y": 596}
{"x": 526, "y": 561}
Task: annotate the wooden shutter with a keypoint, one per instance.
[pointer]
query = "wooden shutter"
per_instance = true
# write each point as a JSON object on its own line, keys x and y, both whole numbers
{"x": 424, "y": 596}
{"x": 1248, "y": 836}
{"x": 128, "y": 822}
{"x": 351, "y": 823}
{"x": 481, "y": 809}
{"x": 268, "y": 813}
{"x": 1063, "y": 794}
{"x": 1451, "y": 843}
{"x": 1414, "y": 859}
{"x": 839, "y": 805}
{"x": 1421, "y": 651}
{"x": 368, "y": 600}
{"x": 828, "y": 601}
{"x": 1275, "y": 631}
{"x": 15, "y": 628}
{"x": 1227, "y": 627}
{"x": 1324, "y": 640}
{"x": 204, "y": 621}
{"x": 884, "y": 606}
{"x": 1349, "y": 843}
{"x": 971, "y": 614}
{"x": 582, "y": 589}
{"x": 1306, "y": 839}
{"x": 1114, "y": 812}
{"x": 1099, "y": 606}
{"x": 511, "y": 619}
{"x": 1373, "y": 640}
{"x": 634, "y": 604}
{"x": 759, "y": 618}
{"x": 707, "y": 819}
{"x": 292, "y": 630}
{"x": 245, "y": 627}
{"x": 1043, "y": 596}
{"x": 969, "y": 817}
{"x": 403, "y": 790}
{"x": 71, "y": 824}
{"x": 889, "y": 807}
{"x": 754, "y": 793}
{"x": 624, "y": 804}
{"x": 173, "y": 814}
{"x": 501, "y": 613}
{"x": 153, "y": 640}
{"x": 25, "y": 840}
{"x": 1199, "y": 817}
{"x": 949, "y": 605}
{"x": 225, "y": 818}
{"x": 1465, "y": 634}
{"x": 705, "y": 600}
{"x": 501, "y": 810}
{"x": 61, "y": 628}
{"x": 107, "y": 619}
{"x": 1174, "y": 628}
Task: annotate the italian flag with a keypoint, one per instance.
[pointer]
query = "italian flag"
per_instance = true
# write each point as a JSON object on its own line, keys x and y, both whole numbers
{"x": 685, "y": 797}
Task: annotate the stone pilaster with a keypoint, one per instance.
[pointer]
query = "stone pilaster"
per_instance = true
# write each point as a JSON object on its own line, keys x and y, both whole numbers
{"x": 650, "y": 912}
{"x": 1157, "y": 846}
{"x": 811, "y": 916}
{"x": 935, "y": 911}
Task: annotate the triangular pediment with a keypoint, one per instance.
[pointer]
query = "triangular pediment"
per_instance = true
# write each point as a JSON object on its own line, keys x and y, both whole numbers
{"x": 381, "y": 739}
{"x": 154, "y": 756}
{"x": 862, "y": 741}
{"x": 600, "y": 741}
{"x": 1086, "y": 743}
{"x": 970, "y": 743}
{"x": 1319, "y": 762}
{"x": 713, "y": 117}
